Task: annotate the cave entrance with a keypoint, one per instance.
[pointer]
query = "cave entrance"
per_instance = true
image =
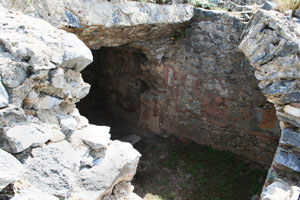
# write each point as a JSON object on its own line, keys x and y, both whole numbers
{"x": 117, "y": 84}
{"x": 169, "y": 168}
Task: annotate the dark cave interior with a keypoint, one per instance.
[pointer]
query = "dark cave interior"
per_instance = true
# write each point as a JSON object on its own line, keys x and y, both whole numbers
{"x": 116, "y": 83}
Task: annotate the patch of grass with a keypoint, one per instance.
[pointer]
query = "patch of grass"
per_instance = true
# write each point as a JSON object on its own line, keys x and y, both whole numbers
{"x": 28, "y": 2}
{"x": 215, "y": 174}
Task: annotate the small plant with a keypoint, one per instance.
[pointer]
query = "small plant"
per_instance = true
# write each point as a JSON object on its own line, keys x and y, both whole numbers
{"x": 28, "y": 2}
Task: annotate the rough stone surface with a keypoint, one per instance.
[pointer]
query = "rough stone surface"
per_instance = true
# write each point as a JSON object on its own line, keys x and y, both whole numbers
{"x": 105, "y": 23}
{"x": 52, "y": 168}
{"x": 33, "y": 194}
{"x": 276, "y": 191}
{"x": 287, "y": 160}
{"x": 271, "y": 43}
{"x": 40, "y": 83}
{"x": 269, "y": 5}
{"x": 11, "y": 170}
{"x": 3, "y": 96}
{"x": 295, "y": 192}
{"x": 119, "y": 164}
{"x": 97, "y": 137}
{"x": 290, "y": 138}
{"x": 21, "y": 137}
{"x": 72, "y": 57}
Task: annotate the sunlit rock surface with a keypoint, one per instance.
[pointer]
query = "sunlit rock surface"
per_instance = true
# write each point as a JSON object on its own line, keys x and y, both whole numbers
{"x": 40, "y": 84}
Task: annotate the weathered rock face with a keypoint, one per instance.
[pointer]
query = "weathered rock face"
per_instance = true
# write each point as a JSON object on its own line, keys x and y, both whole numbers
{"x": 105, "y": 23}
{"x": 191, "y": 84}
{"x": 11, "y": 169}
{"x": 59, "y": 153}
{"x": 271, "y": 44}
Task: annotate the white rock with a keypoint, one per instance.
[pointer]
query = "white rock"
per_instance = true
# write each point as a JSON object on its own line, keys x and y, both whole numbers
{"x": 57, "y": 135}
{"x": 292, "y": 110}
{"x": 53, "y": 168}
{"x": 33, "y": 193}
{"x": 49, "y": 102}
{"x": 53, "y": 58}
{"x": 133, "y": 196}
{"x": 82, "y": 121}
{"x": 32, "y": 100}
{"x": 68, "y": 125}
{"x": 12, "y": 115}
{"x": 97, "y": 137}
{"x": 79, "y": 90}
{"x": 57, "y": 78}
{"x": 11, "y": 170}
{"x": 295, "y": 193}
{"x": 21, "y": 137}
{"x": 76, "y": 55}
{"x": 13, "y": 76}
{"x": 47, "y": 116}
{"x": 276, "y": 191}
{"x": 118, "y": 165}
{"x": 4, "y": 98}
{"x": 122, "y": 191}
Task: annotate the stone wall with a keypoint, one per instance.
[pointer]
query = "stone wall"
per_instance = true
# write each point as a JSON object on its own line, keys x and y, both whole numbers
{"x": 271, "y": 44}
{"x": 47, "y": 149}
{"x": 205, "y": 90}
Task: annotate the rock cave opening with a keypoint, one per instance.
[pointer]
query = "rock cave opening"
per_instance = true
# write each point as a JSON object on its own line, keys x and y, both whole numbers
{"x": 117, "y": 84}
{"x": 223, "y": 78}
{"x": 169, "y": 167}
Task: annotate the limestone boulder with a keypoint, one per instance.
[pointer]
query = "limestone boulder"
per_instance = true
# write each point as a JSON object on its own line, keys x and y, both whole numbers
{"x": 52, "y": 168}
{"x": 12, "y": 115}
{"x": 40, "y": 83}
{"x": 33, "y": 193}
{"x": 76, "y": 55}
{"x": 276, "y": 191}
{"x": 11, "y": 170}
{"x": 21, "y": 137}
{"x": 118, "y": 165}
{"x": 3, "y": 96}
{"x": 96, "y": 137}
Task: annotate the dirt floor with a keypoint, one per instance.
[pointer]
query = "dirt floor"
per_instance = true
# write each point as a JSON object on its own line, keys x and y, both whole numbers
{"x": 172, "y": 170}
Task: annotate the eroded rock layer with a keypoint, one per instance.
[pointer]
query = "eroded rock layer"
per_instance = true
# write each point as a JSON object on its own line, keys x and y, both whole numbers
{"x": 48, "y": 150}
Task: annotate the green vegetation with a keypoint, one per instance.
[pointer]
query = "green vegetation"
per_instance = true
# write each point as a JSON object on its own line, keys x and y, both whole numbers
{"x": 213, "y": 174}
{"x": 203, "y": 4}
{"x": 28, "y": 2}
